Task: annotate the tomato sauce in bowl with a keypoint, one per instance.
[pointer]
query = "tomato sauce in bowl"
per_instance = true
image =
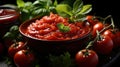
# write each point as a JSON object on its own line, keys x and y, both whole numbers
{"x": 46, "y": 29}
{"x": 8, "y": 17}
{"x": 44, "y": 36}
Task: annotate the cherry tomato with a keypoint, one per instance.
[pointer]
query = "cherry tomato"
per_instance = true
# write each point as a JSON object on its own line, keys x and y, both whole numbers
{"x": 91, "y": 20}
{"x": 86, "y": 58}
{"x": 24, "y": 58}
{"x": 104, "y": 45}
{"x": 111, "y": 35}
{"x": 15, "y": 47}
{"x": 98, "y": 26}
{"x": 116, "y": 40}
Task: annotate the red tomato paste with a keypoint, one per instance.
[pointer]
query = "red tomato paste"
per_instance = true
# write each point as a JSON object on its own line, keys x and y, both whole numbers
{"x": 8, "y": 15}
{"x": 46, "y": 28}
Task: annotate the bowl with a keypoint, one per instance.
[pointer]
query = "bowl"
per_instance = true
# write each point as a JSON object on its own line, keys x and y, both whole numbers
{"x": 8, "y": 16}
{"x": 56, "y": 47}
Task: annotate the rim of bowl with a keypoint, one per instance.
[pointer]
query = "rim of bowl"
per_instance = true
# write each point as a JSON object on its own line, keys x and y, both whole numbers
{"x": 15, "y": 16}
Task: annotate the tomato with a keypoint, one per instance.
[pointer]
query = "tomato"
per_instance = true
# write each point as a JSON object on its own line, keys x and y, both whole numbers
{"x": 104, "y": 45}
{"x": 86, "y": 58}
{"x": 24, "y": 58}
{"x": 15, "y": 48}
{"x": 91, "y": 20}
{"x": 114, "y": 36}
{"x": 109, "y": 33}
{"x": 116, "y": 40}
{"x": 98, "y": 26}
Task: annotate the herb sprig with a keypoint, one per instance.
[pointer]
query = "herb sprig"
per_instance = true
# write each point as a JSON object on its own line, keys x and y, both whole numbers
{"x": 63, "y": 28}
{"x": 40, "y": 8}
{"x": 75, "y": 13}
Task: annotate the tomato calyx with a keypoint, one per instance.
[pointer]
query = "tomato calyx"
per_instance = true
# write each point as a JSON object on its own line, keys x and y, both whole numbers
{"x": 86, "y": 53}
{"x": 27, "y": 52}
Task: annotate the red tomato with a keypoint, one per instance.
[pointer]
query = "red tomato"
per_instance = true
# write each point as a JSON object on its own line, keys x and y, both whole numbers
{"x": 99, "y": 26}
{"x": 109, "y": 33}
{"x": 24, "y": 58}
{"x": 86, "y": 58}
{"x": 91, "y": 20}
{"x": 104, "y": 46}
{"x": 116, "y": 40}
{"x": 15, "y": 48}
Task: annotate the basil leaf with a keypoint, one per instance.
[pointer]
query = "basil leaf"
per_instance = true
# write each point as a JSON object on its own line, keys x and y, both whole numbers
{"x": 20, "y": 3}
{"x": 49, "y": 3}
{"x": 8, "y": 35}
{"x": 63, "y": 28}
{"x": 79, "y": 17}
{"x": 77, "y": 6}
{"x": 25, "y": 10}
{"x": 64, "y": 8}
{"x": 40, "y": 12}
{"x": 14, "y": 28}
{"x": 55, "y": 3}
{"x": 86, "y": 9}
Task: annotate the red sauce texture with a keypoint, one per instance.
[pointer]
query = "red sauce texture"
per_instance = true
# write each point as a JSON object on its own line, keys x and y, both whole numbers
{"x": 46, "y": 28}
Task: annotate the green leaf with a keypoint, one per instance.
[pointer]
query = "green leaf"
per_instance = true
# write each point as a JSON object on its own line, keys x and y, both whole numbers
{"x": 8, "y": 35}
{"x": 63, "y": 28}
{"x": 40, "y": 12}
{"x": 64, "y": 60}
{"x": 20, "y": 3}
{"x": 55, "y": 3}
{"x": 64, "y": 8}
{"x": 77, "y": 6}
{"x": 86, "y": 9}
{"x": 79, "y": 17}
{"x": 49, "y": 3}
{"x": 36, "y": 2}
{"x": 14, "y": 28}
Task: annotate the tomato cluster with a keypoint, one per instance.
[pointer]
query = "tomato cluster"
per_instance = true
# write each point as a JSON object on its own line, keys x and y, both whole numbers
{"x": 19, "y": 52}
{"x": 105, "y": 38}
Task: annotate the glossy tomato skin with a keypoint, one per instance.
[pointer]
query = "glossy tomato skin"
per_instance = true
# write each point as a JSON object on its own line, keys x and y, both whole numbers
{"x": 104, "y": 46}
{"x": 111, "y": 35}
{"x": 98, "y": 26}
{"x": 24, "y": 58}
{"x": 15, "y": 48}
{"x": 90, "y": 60}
